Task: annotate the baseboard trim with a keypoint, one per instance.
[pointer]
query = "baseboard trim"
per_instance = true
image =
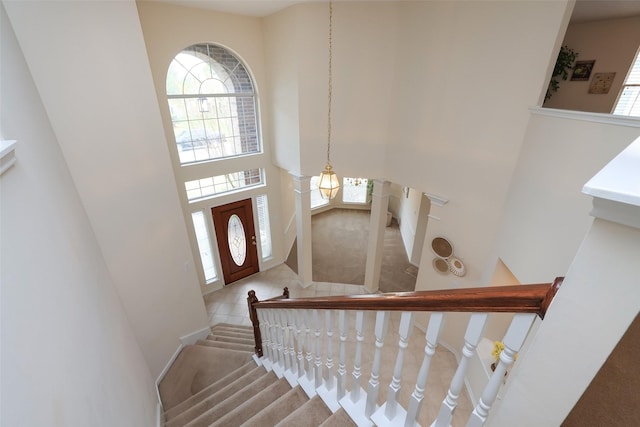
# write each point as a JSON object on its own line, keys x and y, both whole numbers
{"x": 159, "y": 415}
{"x": 193, "y": 337}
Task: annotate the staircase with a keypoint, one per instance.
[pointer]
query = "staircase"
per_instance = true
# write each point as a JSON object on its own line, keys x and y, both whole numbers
{"x": 216, "y": 382}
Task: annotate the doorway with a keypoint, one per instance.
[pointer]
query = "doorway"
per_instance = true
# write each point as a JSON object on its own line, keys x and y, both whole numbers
{"x": 236, "y": 237}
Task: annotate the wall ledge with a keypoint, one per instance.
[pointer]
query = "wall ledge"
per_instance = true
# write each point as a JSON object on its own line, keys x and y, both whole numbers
{"x": 616, "y": 188}
{"x": 7, "y": 154}
{"x": 588, "y": 117}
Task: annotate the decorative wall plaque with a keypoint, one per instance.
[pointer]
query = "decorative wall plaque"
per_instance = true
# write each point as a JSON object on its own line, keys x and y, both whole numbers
{"x": 601, "y": 83}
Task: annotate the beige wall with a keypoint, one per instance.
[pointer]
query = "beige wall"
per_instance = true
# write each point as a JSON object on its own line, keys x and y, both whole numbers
{"x": 69, "y": 353}
{"x": 546, "y": 215}
{"x": 457, "y": 129}
{"x": 95, "y": 83}
{"x": 613, "y": 44}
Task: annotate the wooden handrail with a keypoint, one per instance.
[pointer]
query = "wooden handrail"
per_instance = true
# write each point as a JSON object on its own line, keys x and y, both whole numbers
{"x": 492, "y": 299}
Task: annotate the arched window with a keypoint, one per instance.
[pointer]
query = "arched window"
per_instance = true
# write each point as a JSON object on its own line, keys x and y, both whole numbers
{"x": 213, "y": 105}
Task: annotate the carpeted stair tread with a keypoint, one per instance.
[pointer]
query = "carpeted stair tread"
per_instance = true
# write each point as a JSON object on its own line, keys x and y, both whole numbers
{"x": 225, "y": 334}
{"x": 229, "y": 326}
{"x": 261, "y": 398}
{"x": 232, "y": 332}
{"x": 339, "y": 419}
{"x": 312, "y": 413}
{"x": 269, "y": 384}
{"x": 227, "y": 345}
{"x": 224, "y": 399}
{"x": 232, "y": 379}
{"x": 195, "y": 368}
{"x": 231, "y": 339}
{"x": 278, "y": 410}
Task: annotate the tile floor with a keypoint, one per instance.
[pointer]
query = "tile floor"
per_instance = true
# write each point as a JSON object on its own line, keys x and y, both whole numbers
{"x": 229, "y": 305}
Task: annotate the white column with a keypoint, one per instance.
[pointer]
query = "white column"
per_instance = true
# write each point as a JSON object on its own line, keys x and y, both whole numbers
{"x": 302, "y": 189}
{"x": 377, "y": 224}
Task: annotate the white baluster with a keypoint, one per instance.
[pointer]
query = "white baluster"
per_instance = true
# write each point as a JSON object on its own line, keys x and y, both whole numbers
{"x": 318, "y": 351}
{"x": 291, "y": 374}
{"x": 471, "y": 338}
{"x": 282, "y": 319}
{"x": 382, "y": 324}
{"x": 415, "y": 401}
{"x": 297, "y": 314}
{"x": 342, "y": 367}
{"x": 390, "y": 413}
{"x": 274, "y": 340}
{"x": 513, "y": 340}
{"x": 308, "y": 382}
{"x": 328, "y": 390}
{"x": 278, "y": 367}
{"x": 355, "y": 402}
{"x": 266, "y": 340}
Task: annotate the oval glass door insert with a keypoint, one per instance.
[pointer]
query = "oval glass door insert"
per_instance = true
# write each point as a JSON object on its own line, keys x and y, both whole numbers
{"x": 237, "y": 240}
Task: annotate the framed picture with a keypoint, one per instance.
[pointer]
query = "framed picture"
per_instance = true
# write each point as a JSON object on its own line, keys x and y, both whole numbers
{"x": 601, "y": 83}
{"x": 582, "y": 70}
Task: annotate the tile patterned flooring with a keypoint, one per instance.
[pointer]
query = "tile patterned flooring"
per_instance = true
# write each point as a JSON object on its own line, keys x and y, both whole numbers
{"x": 229, "y": 305}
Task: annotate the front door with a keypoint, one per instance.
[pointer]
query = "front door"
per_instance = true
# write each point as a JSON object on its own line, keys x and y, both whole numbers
{"x": 236, "y": 240}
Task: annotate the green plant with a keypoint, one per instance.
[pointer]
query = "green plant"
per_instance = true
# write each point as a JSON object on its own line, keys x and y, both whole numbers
{"x": 564, "y": 63}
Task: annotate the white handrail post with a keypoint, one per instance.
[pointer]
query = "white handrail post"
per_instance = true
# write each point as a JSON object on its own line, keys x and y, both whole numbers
{"x": 513, "y": 340}
{"x": 415, "y": 401}
{"x": 328, "y": 391}
{"x": 354, "y": 403}
{"x": 382, "y": 325}
{"x": 390, "y": 413}
{"x": 471, "y": 338}
{"x": 308, "y": 382}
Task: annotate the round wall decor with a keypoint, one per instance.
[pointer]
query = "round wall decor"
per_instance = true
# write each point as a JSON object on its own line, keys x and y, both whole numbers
{"x": 442, "y": 247}
{"x": 456, "y": 266}
{"x": 440, "y": 265}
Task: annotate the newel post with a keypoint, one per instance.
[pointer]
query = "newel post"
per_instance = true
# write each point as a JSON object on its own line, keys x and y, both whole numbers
{"x": 253, "y": 315}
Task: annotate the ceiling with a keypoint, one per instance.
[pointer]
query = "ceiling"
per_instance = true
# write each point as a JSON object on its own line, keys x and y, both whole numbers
{"x": 595, "y": 10}
{"x": 585, "y": 10}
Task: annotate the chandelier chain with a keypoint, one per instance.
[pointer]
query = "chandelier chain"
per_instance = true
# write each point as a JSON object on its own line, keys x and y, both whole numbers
{"x": 330, "y": 81}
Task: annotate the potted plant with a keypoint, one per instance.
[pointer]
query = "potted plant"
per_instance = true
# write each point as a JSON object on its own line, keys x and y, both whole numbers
{"x": 564, "y": 63}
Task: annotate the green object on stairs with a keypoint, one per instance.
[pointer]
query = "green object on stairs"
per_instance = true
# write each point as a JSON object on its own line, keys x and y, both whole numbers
{"x": 238, "y": 391}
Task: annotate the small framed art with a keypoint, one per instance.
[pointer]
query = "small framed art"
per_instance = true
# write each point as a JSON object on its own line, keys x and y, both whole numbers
{"x": 582, "y": 70}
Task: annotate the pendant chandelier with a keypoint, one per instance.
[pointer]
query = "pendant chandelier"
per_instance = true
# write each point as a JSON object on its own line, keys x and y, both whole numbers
{"x": 329, "y": 184}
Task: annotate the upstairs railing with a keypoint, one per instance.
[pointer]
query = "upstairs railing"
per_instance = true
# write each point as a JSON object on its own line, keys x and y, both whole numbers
{"x": 289, "y": 341}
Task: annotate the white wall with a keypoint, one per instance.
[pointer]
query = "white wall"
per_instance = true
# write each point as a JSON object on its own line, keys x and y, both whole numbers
{"x": 282, "y": 42}
{"x": 613, "y": 44}
{"x": 467, "y": 72}
{"x": 545, "y": 217}
{"x": 95, "y": 83}
{"x": 69, "y": 355}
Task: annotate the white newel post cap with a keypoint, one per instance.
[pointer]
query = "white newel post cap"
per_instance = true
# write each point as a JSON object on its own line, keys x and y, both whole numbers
{"x": 616, "y": 188}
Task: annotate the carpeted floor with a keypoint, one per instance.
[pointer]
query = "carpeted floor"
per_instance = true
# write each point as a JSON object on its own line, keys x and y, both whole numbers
{"x": 339, "y": 246}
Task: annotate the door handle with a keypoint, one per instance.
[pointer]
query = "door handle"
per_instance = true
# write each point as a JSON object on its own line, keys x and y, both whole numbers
{"x": 253, "y": 240}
